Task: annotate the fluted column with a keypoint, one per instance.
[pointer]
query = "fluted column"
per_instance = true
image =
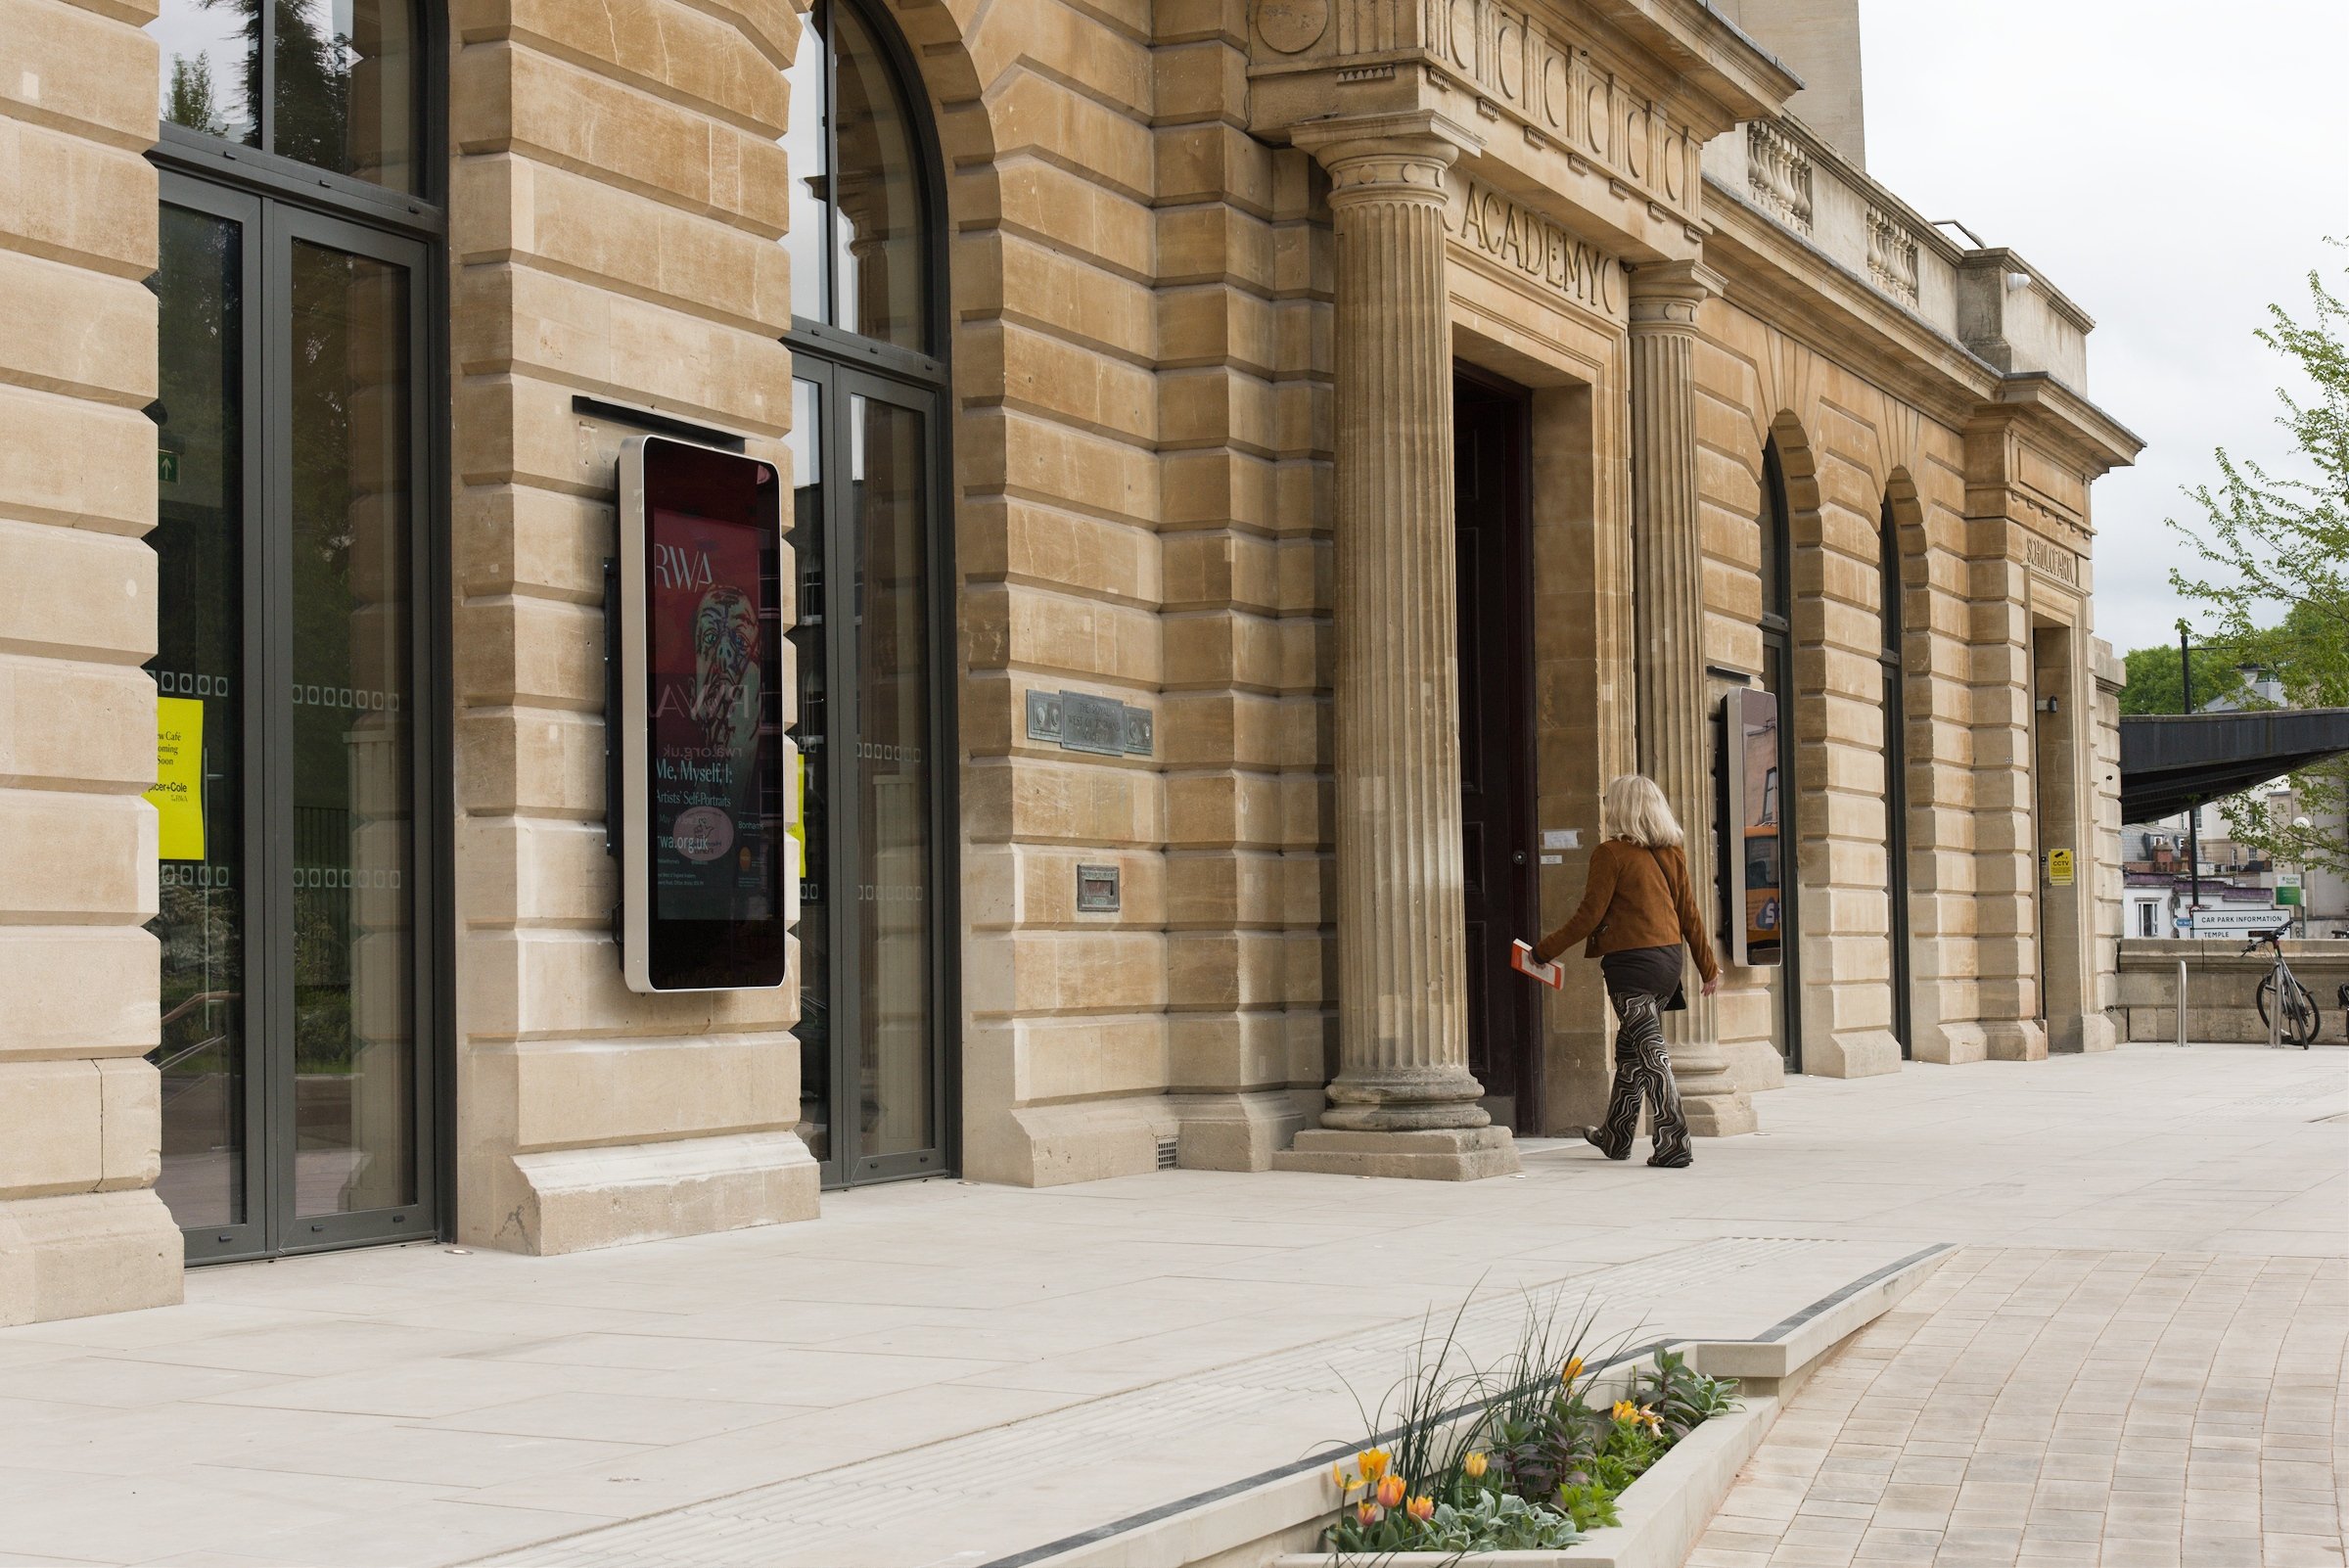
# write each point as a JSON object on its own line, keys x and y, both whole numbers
{"x": 1403, "y": 1102}
{"x": 1667, "y": 575}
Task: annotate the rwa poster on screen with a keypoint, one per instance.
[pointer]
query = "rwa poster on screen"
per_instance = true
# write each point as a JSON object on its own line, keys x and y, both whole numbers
{"x": 709, "y": 766}
{"x": 699, "y": 756}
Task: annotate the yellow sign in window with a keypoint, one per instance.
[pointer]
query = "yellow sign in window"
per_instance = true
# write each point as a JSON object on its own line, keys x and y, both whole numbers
{"x": 178, "y": 792}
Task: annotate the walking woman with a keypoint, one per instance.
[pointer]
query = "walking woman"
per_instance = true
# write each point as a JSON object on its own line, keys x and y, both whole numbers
{"x": 1637, "y": 910}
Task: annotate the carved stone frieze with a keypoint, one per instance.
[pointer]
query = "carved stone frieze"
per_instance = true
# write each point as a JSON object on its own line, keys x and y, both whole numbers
{"x": 1517, "y": 63}
{"x": 1892, "y": 256}
{"x": 1777, "y": 175}
{"x": 1491, "y": 224}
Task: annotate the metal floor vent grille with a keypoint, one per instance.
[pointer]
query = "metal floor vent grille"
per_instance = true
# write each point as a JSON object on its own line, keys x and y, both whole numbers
{"x": 1168, "y": 1152}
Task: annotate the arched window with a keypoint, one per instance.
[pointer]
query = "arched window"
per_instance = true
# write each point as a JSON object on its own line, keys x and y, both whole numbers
{"x": 861, "y": 194}
{"x": 1896, "y": 772}
{"x": 870, "y": 537}
{"x": 300, "y": 506}
{"x": 1777, "y": 678}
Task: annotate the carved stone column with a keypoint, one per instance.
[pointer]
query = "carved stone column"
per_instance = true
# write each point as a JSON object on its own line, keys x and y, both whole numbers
{"x": 1668, "y": 608}
{"x": 1403, "y": 1102}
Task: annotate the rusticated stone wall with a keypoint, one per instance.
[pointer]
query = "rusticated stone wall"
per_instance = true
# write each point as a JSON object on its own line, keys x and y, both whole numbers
{"x": 82, "y": 1230}
{"x": 615, "y": 198}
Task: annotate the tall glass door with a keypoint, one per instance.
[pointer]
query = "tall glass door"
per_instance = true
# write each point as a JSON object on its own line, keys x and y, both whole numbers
{"x": 289, "y": 545}
{"x": 868, "y": 725}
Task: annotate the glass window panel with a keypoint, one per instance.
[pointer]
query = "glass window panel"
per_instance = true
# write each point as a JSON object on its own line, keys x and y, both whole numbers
{"x": 1777, "y": 594}
{"x": 199, "y": 672}
{"x": 353, "y": 878}
{"x": 807, "y": 167}
{"x": 347, "y": 87}
{"x": 889, "y": 476}
{"x": 212, "y": 66}
{"x": 880, "y": 236}
{"x": 812, "y": 836}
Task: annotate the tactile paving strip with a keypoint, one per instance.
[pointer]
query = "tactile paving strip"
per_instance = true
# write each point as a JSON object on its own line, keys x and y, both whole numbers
{"x": 806, "y": 1516}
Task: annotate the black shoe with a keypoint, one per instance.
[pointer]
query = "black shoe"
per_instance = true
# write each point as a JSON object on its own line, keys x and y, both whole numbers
{"x": 1662, "y": 1163}
{"x": 1590, "y": 1137}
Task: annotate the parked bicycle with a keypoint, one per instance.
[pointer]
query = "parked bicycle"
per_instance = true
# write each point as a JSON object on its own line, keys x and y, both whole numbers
{"x": 2299, "y": 1020}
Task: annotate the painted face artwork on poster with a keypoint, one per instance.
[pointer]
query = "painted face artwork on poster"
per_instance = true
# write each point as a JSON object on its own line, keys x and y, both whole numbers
{"x": 711, "y": 858}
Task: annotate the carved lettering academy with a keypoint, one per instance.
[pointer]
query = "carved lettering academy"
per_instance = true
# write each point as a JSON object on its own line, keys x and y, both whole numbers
{"x": 1533, "y": 245}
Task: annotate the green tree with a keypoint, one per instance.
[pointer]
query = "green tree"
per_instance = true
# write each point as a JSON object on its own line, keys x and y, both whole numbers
{"x": 2275, "y": 554}
{"x": 2156, "y": 684}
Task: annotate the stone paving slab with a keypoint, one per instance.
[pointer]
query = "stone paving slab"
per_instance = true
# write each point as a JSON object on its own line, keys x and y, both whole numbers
{"x": 2032, "y": 1406}
{"x": 430, "y": 1405}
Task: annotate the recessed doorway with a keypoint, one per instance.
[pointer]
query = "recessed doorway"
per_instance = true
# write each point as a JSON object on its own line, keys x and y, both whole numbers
{"x": 1494, "y": 589}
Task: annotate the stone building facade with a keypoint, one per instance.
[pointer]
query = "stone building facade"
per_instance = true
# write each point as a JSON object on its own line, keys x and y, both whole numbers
{"x": 1257, "y": 471}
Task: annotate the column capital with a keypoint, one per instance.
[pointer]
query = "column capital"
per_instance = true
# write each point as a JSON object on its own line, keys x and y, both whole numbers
{"x": 1398, "y": 156}
{"x": 1665, "y": 294}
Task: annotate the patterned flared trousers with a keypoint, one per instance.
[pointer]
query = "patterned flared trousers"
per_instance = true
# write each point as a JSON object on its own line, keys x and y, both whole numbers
{"x": 1642, "y": 1072}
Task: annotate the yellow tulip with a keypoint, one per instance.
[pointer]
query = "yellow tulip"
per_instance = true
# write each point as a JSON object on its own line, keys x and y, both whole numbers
{"x": 1475, "y": 1464}
{"x": 1372, "y": 1462}
{"x": 1625, "y": 1410}
{"x": 1573, "y": 1370}
{"x": 1390, "y": 1491}
{"x": 1344, "y": 1482}
{"x": 1421, "y": 1509}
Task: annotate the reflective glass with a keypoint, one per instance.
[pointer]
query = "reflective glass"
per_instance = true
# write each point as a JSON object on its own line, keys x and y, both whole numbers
{"x": 347, "y": 87}
{"x": 812, "y": 836}
{"x": 212, "y": 66}
{"x": 880, "y": 237}
{"x": 199, "y": 671}
{"x": 354, "y": 1062}
{"x": 806, "y": 154}
{"x": 889, "y": 472}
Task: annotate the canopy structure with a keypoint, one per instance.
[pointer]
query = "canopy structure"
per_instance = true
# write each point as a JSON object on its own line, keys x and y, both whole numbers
{"x": 2170, "y": 760}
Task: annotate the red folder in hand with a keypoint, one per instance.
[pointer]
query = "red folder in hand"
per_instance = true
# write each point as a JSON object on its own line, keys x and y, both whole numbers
{"x": 1522, "y": 959}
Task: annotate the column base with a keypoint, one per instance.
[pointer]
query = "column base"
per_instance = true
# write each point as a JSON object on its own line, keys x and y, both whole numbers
{"x": 605, "y": 1195}
{"x": 1446, "y": 1154}
{"x": 83, "y": 1253}
{"x": 1851, "y": 1053}
{"x": 1719, "y": 1116}
{"x": 2015, "y": 1040}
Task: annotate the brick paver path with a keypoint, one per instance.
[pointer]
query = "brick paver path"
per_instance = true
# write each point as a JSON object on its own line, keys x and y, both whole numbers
{"x": 2105, "y": 1410}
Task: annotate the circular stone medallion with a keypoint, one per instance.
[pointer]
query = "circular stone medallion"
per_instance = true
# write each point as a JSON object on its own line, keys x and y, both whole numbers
{"x": 1291, "y": 26}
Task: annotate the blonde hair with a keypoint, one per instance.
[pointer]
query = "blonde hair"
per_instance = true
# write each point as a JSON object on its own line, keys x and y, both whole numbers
{"x": 1636, "y": 810}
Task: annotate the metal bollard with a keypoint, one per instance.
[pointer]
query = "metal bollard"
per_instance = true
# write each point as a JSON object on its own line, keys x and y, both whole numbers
{"x": 2181, "y": 1004}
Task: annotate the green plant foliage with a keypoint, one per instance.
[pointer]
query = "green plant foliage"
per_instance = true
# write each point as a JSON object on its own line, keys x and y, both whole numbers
{"x": 2274, "y": 549}
{"x": 1539, "y": 1465}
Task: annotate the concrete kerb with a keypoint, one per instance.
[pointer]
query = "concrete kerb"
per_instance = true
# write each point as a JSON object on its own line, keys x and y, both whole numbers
{"x": 1274, "y": 1520}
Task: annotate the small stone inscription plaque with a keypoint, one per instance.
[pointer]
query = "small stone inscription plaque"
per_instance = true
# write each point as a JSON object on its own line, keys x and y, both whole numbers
{"x": 1097, "y": 889}
{"x": 1138, "y": 726}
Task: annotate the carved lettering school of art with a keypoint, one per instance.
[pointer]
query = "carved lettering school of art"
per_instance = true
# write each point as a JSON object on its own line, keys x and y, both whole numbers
{"x": 1531, "y": 244}
{"x": 2052, "y": 561}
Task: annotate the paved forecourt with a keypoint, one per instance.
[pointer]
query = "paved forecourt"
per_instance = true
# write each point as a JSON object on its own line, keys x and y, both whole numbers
{"x": 944, "y": 1372}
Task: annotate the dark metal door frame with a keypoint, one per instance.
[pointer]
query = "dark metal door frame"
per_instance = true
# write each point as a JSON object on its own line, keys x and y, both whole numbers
{"x": 847, "y": 1163}
{"x": 268, "y": 231}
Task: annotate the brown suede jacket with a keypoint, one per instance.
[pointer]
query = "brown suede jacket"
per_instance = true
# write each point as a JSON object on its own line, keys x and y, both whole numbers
{"x": 1636, "y": 898}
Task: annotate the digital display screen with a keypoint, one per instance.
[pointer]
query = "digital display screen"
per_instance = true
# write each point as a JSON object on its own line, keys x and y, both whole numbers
{"x": 1755, "y": 821}
{"x": 707, "y": 890}
{"x": 712, "y": 771}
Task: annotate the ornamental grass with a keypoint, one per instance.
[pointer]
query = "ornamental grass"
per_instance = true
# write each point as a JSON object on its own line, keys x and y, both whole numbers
{"x": 1513, "y": 1456}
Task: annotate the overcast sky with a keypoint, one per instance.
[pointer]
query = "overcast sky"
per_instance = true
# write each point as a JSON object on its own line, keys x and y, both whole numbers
{"x": 2171, "y": 167}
